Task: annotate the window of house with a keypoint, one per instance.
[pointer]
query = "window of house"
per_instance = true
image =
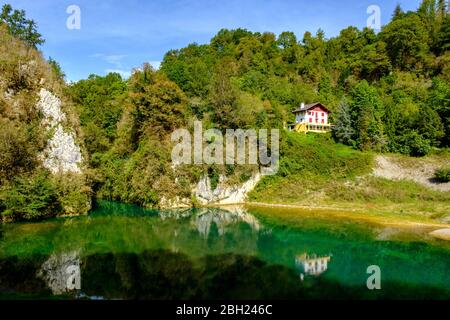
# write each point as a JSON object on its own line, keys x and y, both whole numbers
{"x": 323, "y": 121}
{"x": 323, "y": 114}
{"x": 310, "y": 119}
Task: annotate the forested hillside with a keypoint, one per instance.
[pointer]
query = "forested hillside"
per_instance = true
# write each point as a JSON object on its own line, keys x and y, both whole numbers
{"x": 388, "y": 92}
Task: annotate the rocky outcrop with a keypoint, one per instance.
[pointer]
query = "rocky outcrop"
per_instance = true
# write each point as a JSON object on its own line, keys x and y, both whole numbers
{"x": 174, "y": 203}
{"x": 62, "y": 154}
{"x": 50, "y": 106}
{"x": 224, "y": 193}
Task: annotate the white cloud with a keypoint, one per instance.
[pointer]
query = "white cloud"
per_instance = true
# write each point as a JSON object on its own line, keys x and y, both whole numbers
{"x": 114, "y": 59}
{"x": 123, "y": 73}
{"x": 155, "y": 64}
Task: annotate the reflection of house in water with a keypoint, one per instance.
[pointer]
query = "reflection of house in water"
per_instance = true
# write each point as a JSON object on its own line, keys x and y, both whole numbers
{"x": 312, "y": 264}
{"x": 222, "y": 219}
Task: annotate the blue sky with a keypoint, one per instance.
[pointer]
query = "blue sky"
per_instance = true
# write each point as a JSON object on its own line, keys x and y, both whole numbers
{"x": 118, "y": 35}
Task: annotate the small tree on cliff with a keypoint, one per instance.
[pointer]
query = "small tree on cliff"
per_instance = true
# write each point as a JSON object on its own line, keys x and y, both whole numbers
{"x": 21, "y": 27}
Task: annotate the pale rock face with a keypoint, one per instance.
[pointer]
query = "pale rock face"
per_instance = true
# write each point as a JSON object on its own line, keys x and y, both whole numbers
{"x": 50, "y": 106}
{"x": 62, "y": 153}
{"x": 174, "y": 203}
{"x": 61, "y": 272}
{"x": 9, "y": 94}
{"x": 224, "y": 194}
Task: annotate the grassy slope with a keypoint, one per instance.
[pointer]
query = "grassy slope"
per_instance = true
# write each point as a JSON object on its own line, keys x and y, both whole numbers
{"x": 316, "y": 172}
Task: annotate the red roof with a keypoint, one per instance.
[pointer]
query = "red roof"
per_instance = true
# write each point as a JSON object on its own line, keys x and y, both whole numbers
{"x": 310, "y": 106}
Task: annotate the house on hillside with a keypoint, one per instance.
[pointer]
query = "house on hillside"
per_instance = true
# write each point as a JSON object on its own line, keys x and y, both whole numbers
{"x": 311, "y": 117}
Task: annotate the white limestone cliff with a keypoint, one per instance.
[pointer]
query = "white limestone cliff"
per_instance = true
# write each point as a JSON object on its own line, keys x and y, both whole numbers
{"x": 62, "y": 154}
{"x": 224, "y": 194}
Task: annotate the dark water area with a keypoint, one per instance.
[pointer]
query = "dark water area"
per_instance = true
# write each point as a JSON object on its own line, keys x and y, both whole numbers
{"x": 126, "y": 252}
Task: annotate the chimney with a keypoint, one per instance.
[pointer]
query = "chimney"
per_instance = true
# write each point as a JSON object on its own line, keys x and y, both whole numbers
{"x": 302, "y": 106}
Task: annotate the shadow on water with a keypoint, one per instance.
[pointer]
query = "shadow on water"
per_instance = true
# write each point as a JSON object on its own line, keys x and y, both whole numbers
{"x": 113, "y": 208}
{"x": 162, "y": 274}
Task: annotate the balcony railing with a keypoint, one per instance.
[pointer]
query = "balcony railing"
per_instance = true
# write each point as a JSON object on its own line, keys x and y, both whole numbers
{"x": 311, "y": 127}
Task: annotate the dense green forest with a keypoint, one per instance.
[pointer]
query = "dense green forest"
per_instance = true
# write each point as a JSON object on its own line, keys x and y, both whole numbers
{"x": 388, "y": 92}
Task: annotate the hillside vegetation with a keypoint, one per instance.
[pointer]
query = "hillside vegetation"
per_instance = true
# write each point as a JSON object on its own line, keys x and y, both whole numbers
{"x": 388, "y": 92}
{"x": 28, "y": 190}
{"x": 326, "y": 174}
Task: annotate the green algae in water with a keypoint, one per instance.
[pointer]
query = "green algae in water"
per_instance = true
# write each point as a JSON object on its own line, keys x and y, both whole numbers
{"x": 123, "y": 251}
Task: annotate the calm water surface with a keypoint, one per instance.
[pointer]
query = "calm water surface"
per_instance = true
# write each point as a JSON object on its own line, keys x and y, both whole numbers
{"x": 125, "y": 252}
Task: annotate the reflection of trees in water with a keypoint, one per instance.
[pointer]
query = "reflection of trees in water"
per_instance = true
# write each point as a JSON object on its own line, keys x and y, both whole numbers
{"x": 203, "y": 219}
{"x": 208, "y": 231}
{"x": 207, "y": 272}
{"x": 162, "y": 274}
{"x": 18, "y": 276}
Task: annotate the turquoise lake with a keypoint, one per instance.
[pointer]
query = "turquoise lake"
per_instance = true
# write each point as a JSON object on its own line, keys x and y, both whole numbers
{"x": 122, "y": 251}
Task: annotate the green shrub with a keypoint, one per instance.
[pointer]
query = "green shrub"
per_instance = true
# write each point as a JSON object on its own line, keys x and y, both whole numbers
{"x": 30, "y": 198}
{"x": 442, "y": 175}
{"x": 74, "y": 193}
{"x": 17, "y": 154}
{"x": 214, "y": 177}
{"x": 415, "y": 145}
